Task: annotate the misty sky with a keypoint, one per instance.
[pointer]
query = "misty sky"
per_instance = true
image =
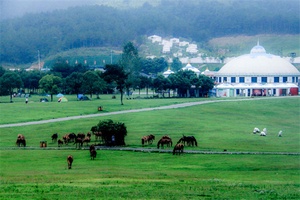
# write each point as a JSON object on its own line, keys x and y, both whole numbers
{"x": 17, "y": 8}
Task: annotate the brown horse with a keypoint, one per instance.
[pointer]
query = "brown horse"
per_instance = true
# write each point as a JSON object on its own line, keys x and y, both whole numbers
{"x": 178, "y": 149}
{"x": 79, "y": 142}
{"x": 70, "y": 161}
{"x": 86, "y": 140}
{"x": 148, "y": 139}
{"x": 93, "y": 152}
{"x": 60, "y": 143}
{"x": 163, "y": 141}
{"x": 21, "y": 140}
{"x": 98, "y": 136}
{"x": 188, "y": 140}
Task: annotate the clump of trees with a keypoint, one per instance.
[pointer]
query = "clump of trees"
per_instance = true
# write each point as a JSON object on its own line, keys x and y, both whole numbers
{"x": 113, "y": 133}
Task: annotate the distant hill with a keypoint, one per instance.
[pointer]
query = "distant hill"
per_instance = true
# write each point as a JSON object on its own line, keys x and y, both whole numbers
{"x": 102, "y": 26}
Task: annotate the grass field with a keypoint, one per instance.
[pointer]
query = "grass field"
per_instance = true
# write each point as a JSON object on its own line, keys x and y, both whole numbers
{"x": 35, "y": 173}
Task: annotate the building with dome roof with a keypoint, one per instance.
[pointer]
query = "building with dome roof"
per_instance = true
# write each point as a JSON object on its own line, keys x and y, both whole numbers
{"x": 191, "y": 68}
{"x": 257, "y": 74}
{"x": 168, "y": 72}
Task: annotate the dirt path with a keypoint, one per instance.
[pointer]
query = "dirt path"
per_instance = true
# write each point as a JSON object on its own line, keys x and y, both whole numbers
{"x": 181, "y": 105}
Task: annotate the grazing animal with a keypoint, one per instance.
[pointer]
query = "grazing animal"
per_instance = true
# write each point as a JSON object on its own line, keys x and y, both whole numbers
{"x": 21, "y": 140}
{"x": 72, "y": 137}
{"x": 70, "y": 161}
{"x": 148, "y": 139}
{"x": 256, "y": 130}
{"x": 163, "y": 141}
{"x": 263, "y": 134}
{"x": 66, "y": 139}
{"x": 93, "y": 152}
{"x": 86, "y": 140}
{"x": 60, "y": 143}
{"x": 88, "y": 134}
{"x": 265, "y": 130}
{"x": 178, "y": 149}
{"x": 79, "y": 142}
{"x": 98, "y": 136}
{"x": 54, "y": 137}
{"x": 81, "y": 135}
{"x": 280, "y": 133}
{"x": 189, "y": 140}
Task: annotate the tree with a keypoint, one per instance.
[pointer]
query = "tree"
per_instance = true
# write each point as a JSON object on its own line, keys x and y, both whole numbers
{"x": 74, "y": 82}
{"x": 130, "y": 62}
{"x": 176, "y": 64}
{"x": 206, "y": 84}
{"x": 92, "y": 83}
{"x": 182, "y": 80}
{"x": 117, "y": 74}
{"x": 9, "y": 81}
{"x": 50, "y": 84}
{"x": 113, "y": 133}
{"x": 161, "y": 84}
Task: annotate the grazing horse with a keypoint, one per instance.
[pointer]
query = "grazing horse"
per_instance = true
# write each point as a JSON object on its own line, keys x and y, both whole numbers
{"x": 189, "y": 140}
{"x": 93, "y": 152}
{"x": 21, "y": 140}
{"x": 70, "y": 161}
{"x": 178, "y": 149}
{"x": 78, "y": 141}
{"x": 86, "y": 140}
{"x": 98, "y": 136}
{"x": 148, "y": 139}
{"x": 163, "y": 141}
{"x": 54, "y": 137}
{"x": 60, "y": 143}
{"x": 66, "y": 139}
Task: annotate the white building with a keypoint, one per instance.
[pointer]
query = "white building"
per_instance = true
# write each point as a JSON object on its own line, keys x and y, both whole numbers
{"x": 257, "y": 74}
{"x": 191, "y": 68}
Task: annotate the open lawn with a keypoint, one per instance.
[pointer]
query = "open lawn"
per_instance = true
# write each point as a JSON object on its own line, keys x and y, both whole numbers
{"x": 35, "y": 173}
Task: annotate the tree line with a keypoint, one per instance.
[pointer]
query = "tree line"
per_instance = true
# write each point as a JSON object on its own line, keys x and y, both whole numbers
{"x": 100, "y": 26}
{"x": 124, "y": 77}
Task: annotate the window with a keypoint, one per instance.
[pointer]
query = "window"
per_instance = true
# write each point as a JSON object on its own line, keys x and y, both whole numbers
{"x": 253, "y": 79}
{"x": 284, "y": 79}
{"x": 225, "y": 79}
{"x": 276, "y": 79}
{"x": 264, "y": 79}
{"x": 232, "y": 79}
{"x": 242, "y": 79}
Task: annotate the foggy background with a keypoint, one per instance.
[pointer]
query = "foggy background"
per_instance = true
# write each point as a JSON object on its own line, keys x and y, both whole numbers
{"x": 17, "y": 8}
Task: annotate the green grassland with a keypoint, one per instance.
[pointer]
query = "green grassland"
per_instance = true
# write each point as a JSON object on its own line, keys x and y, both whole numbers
{"x": 35, "y": 173}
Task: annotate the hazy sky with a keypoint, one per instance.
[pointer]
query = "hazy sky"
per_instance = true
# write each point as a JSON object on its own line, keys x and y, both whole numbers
{"x": 17, "y": 8}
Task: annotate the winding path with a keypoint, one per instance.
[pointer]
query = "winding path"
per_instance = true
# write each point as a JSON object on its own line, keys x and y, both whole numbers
{"x": 181, "y": 105}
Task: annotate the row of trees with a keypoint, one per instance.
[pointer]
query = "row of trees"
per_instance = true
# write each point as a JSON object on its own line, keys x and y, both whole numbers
{"x": 124, "y": 76}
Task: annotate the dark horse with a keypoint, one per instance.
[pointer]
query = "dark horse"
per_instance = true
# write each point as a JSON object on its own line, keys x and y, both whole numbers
{"x": 148, "y": 139}
{"x": 54, "y": 137}
{"x": 178, "y": 149}
{"x": 21, "y": 140}
{"x": 93, "y": 152}
{"x": 70, "y": 161}
{"x": 164, "y": 140}
{"x": 189, "y": 140}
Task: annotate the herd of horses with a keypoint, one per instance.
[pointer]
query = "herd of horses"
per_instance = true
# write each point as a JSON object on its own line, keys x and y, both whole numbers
{"x": 166, "y": 140}
{"x": 81, "y": 138}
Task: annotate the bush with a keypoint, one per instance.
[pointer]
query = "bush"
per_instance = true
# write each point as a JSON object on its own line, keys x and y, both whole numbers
{"x": 113, "y": 133}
